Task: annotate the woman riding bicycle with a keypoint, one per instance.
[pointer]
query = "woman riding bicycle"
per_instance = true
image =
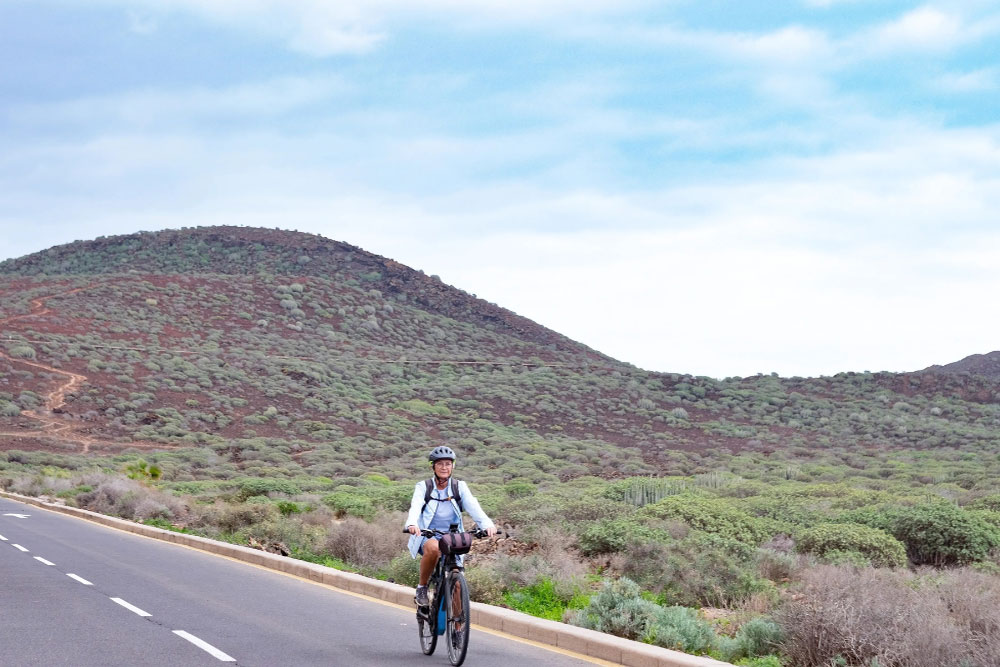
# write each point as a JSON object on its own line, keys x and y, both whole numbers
{"x": 439, "y": 511}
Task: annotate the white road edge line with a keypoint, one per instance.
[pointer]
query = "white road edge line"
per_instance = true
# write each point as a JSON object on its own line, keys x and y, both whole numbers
{"x": 205, "y": 646}
{"x": 19, "y": 547}
{"x": 80, "y": 579}
{"x": 130, "y": 607}
{"x": 43, "y": 561}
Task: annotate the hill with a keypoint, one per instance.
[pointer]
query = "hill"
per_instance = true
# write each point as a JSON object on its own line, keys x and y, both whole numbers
{"x": 280, "y": 390}
{"x": 986, "y": 365}
{"x": 293, "y": 353}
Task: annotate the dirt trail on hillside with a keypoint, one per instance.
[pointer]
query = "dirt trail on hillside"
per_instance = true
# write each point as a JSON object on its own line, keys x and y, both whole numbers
{"x": 49, "y": 428}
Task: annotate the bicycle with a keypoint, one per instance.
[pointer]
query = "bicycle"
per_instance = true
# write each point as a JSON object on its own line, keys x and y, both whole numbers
{"x": 448, "y": 613}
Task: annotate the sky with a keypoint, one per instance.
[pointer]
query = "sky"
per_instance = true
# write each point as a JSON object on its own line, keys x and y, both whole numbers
{"x": 800, "y": 187}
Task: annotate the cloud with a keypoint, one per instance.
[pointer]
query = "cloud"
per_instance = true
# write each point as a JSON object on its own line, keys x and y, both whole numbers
{"x": 975, "y": 81}
{"x": 928, "y": 29}
{"x": 924, "y": 28}
{"x": 142, "y": 24}
{"x": 165, "y": 108}
{"x": 322, "y": 28}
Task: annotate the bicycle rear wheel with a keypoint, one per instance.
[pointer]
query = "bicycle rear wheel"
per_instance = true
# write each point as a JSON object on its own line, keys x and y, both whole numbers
{"x": 427, "y": 622}
{"x": 457, "y": 629}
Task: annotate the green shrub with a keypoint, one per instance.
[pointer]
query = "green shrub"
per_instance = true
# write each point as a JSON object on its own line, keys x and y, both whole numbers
{"x": 486, "y": 585}
{"x": 262, "y": 486}
{"x": 759, "y": 637}
{"x": 22, "y": 351}
{"x": 877, "y": 546}
{"x": 612, "y": 536}
{"x": 618, "y": 609}
{"x": 349, "y": 503}
{"x": 543, "y": 600}
{"x": 287, "y": 507}
{"x": 519, "y": 489}
{"x": 766, "y": 661}
{"x": 942, "y": 534}
{"x": 680, "y": 628}
{"x": 991, "y": 503}
{"x": 403, "y": 570}
{"x": 712, "y": 515}
{"x": 699, "y": 570}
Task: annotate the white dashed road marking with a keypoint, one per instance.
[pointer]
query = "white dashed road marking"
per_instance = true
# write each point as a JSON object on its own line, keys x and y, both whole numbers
{"x": 80, "y": 579}
{"x": 19, "y": 547}
{"x": 205, "y": 646}
{"x": 43, "y": 561}
{"x": 2, "y": 538}
{"x": 131, "y": 608}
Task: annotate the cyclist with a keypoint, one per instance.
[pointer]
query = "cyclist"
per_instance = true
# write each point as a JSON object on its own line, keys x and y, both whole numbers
{"x": 439, "y": 511}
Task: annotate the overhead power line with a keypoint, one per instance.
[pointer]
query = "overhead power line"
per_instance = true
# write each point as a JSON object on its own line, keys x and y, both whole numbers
{"x": 458, "y": 362}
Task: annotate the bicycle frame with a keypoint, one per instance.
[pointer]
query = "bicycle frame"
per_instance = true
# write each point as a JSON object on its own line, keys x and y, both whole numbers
{"x": 442, "y": 617}
{"x": 442, "y": 591}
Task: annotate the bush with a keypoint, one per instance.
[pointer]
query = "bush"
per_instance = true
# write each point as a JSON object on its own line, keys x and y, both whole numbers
{"x": 619, "y": 609}
{"x": 700, "y": 570}
{"x": 233, "y": 518}
{"x": 262, "y": 486}
{"x": 611, "y": 536}
{"x": 541, "y": 599}
{"x": 942, "y": 534}
{"x": 369, "y": 546}
{"x": 22, "y": 351}
{"x": 486, "y": 585}
{"x": 973, "y": 600}
{"x": 867, "y": 615}
{"x": 349, "y": 503}
{"x": 680, "y": 628}
{"x": 712, "y": 515}
{"x": 404, "y": 570}
{"x": 759, "y": 636}
{"x": 877, "y": 546}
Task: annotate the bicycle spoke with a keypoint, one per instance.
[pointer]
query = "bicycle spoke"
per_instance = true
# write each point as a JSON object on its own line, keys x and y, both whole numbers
{"x": 457, "y": 630}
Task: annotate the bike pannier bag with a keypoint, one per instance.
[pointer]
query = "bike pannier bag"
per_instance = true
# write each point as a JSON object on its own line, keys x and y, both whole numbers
{"x": 455, "y": 543}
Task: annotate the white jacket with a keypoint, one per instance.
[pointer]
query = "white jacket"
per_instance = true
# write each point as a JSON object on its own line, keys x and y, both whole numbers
{"x": 423, "y": 519}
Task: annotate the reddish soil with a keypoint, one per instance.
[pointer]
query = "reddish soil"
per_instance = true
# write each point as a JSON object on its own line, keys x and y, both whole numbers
{"x": 48, "y": 426}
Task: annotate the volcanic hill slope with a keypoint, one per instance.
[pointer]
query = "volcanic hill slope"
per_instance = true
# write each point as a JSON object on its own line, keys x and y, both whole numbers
{"x": 253, "y": 351}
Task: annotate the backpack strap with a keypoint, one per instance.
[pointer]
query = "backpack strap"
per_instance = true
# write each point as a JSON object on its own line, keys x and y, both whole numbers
{"x": 429, "y": 490}
{"x": 456, "y": 495}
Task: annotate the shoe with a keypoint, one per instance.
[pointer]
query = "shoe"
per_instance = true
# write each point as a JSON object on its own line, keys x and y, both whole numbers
{"x": 421, "y": 597}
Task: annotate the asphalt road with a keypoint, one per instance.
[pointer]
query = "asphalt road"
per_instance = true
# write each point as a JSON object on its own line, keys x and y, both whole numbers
{"x": 77, "y": 593}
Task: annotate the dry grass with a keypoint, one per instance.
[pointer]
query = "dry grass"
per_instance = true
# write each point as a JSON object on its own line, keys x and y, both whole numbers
{"x": 370, "y": 546}
{"x": 896, "y": 618}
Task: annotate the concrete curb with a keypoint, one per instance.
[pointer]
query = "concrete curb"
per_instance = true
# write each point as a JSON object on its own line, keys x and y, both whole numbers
{"x": 568, "y": 637}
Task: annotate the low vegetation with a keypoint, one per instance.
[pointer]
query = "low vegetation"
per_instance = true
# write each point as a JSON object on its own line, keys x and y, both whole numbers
{"x": 280, "y": 390}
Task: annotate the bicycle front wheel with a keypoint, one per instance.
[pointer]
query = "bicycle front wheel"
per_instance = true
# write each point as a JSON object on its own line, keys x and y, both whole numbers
{"x": 427, "y": 623}
{"x": 457, "y": 629}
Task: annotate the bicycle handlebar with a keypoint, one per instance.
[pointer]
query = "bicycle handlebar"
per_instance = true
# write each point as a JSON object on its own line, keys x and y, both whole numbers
{"x": 478, "y": 533}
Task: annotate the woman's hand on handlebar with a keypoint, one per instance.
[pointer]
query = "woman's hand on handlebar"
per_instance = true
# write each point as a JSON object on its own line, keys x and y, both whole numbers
{"x": 412, "y": 530}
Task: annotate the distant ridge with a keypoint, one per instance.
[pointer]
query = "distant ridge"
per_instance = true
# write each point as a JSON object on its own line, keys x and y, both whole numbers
{"x": 986, "y": 365}
{"x": 248, "y": 251}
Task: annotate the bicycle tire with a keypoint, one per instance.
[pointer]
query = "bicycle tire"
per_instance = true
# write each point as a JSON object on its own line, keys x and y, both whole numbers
{"x": 427, "y": 624}
{"x": 457, "y": 628}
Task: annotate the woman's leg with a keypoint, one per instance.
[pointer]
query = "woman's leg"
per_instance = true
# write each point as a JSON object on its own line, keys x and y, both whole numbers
{"x": 428, "y": 561}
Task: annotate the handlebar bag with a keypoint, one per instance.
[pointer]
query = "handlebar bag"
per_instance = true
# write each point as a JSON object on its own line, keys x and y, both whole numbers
{"x": 455, "y": 544}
